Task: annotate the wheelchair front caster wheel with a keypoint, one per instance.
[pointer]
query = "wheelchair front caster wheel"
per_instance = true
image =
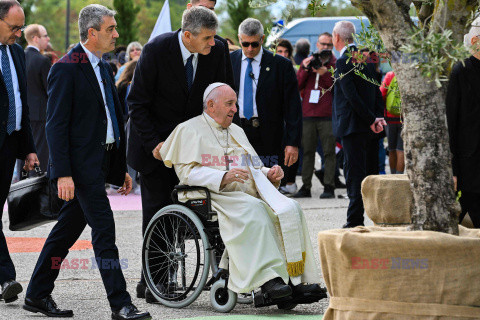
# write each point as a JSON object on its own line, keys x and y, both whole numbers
{"x": 286, "y": 305}
{"x": 222, "y": 299}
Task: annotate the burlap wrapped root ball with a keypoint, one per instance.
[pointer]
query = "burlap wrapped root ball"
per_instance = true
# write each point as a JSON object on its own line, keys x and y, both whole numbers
{"x": 375, "y": 273}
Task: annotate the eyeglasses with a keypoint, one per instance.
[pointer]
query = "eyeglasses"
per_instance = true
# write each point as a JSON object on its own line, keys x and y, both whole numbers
{"x": 255, "y": 44}
{"x": 14, "y": 29}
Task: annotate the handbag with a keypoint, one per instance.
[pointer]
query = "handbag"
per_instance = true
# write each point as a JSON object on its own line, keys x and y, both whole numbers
{"x": 33, "y": 201}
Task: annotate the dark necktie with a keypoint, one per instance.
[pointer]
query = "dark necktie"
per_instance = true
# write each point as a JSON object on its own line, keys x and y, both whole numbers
{"x": 248, "y": 91}
{"x": 7, "y": 78}
{"x": 189, "y": 72}
{"x": 110, "y": 102}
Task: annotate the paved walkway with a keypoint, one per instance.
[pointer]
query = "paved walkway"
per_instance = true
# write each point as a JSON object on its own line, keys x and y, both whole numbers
{"x": 79, "y": 286}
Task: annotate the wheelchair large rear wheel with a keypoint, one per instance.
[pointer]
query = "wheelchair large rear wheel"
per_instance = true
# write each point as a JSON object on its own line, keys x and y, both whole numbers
{"x": 175, "y": 256}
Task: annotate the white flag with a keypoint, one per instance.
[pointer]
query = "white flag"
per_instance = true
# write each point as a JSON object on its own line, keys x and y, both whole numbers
{"x": 163, "y": 22}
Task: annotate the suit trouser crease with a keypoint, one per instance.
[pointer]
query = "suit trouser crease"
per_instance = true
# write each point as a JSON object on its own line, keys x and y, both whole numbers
{"x": 8, "y": 153}
{"x": 90, "y": 206}
{"x": 312, "y": 131}
{"x": 355, "y": 169}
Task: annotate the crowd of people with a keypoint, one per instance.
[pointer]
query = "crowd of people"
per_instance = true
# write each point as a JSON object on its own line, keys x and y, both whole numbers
{"x": 91, "y": 118}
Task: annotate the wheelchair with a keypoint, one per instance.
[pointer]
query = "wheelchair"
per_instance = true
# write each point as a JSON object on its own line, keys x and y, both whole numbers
{"x": 181, "y": 245}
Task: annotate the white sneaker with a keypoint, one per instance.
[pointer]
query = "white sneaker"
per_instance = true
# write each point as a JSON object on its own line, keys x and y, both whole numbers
{"x": 137, "y": 190}
{"x": 289, "y": 189}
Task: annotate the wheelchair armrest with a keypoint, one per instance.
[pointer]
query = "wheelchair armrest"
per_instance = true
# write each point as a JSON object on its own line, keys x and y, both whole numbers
{"x": 184, "y": 187}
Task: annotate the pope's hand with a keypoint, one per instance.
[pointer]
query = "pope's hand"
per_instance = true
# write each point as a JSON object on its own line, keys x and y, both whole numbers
{"x": 238, "y": 175}
{"x": 156, "y": 151}
{"x": 66, "y": 188}
{"x": 275, "y": 174}
{"x": 127, "y": 185}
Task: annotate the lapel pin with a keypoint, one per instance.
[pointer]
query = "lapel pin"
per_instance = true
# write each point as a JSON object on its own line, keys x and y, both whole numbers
{"x": 268, "y": 69}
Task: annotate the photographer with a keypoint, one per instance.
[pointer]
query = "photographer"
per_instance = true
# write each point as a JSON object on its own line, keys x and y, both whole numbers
{"x": 315, "y": 82}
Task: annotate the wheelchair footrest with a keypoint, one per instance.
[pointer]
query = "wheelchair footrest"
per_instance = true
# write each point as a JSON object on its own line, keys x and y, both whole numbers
{"x": 261, "y": 299}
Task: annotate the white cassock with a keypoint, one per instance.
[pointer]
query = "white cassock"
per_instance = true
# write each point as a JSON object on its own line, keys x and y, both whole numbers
{"x": 264, "y": 232}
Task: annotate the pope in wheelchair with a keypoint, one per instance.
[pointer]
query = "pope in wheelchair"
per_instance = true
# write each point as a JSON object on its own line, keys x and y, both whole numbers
{"x": 265, "y": 236}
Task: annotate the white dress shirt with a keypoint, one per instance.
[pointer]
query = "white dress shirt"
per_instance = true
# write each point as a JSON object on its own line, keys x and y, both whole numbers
{"x": 186, "y": 54}
{"x": 256, "y": 73}
{"x": 16, "y": 90}
{"x": 345, "y": 48}
{"x": 94, "y": 60}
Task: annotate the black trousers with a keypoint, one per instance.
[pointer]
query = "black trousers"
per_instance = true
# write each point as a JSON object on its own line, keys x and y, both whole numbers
{"x": 470, "y": 202}
{"x": 355, "y": 169}
{"x": 40, "y": 139}
{"x": 8, "y": 152}
{"x": 90, "y": 206}
{"x": 156, "y": 188}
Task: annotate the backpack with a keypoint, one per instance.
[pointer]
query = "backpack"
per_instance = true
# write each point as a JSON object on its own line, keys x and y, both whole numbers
{"x": 394, "y": 103}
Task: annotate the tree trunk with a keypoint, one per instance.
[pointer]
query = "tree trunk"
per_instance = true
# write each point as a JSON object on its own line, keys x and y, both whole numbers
{"x": 428, "y": 158}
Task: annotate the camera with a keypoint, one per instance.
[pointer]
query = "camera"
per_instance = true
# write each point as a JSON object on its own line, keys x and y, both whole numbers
{"x": 320, "y": 59}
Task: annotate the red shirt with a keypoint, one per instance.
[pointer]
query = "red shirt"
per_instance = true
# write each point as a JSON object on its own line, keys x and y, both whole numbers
{"x": 390, "y": 118}
{"x": 306, "y": 83}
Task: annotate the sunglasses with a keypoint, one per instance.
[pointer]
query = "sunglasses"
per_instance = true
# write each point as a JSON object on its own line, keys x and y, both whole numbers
{"x": 255, "y": 44}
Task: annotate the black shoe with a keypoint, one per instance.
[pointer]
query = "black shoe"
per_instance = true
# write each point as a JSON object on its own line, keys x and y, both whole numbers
{"x": 276, "y": 289}
{"x": 309, "y": 290}
{"x": 339, "y": 184}
{"x": 347, "y": 226}
{"x": 328, "y": 193}
{"x": 303, "y": 193}
{"x": 10, "y": 291}
{"x": 130, "y": 312}
{"x": 320, "y": 174}
{"x": 141, "y": 286}
{"x": 46, "y": 306}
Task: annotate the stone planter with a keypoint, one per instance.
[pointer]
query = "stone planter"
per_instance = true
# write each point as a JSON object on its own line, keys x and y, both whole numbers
{"x": 375, "y": 273}
{"x": 388, "y": 200}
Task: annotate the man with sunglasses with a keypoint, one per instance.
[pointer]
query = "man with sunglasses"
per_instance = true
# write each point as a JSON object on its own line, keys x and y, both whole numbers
{"x": 268, "y": 98}
{"x": 16, "y": 140}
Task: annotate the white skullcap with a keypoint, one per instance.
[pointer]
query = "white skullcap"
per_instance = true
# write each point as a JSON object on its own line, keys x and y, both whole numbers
{"x": 210, "y": 88}
{"x": 474, "y": 31}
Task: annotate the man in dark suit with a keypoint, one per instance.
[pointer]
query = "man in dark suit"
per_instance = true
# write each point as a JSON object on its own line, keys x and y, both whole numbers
{"x": 87, "y": 149}
{"x": 268, "y": 97}
{"x": 210, "y": 4}
{"x": 16, "y": 139}
{"x": 171, "y": 75}
{"x": 357, "y": 110}
{"x": 463, "y": 111}
{"x": 38, "y": 67}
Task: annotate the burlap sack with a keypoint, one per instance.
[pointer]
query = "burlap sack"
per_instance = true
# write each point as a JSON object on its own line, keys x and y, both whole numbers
{"x": 388, "y": 199}
{"x": 375, "y": 273}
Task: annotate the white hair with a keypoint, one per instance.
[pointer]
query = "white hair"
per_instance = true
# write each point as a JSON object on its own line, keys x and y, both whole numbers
{"x": 213, "y": 95}
{"x": 474, "y": 32}
{"x": 345, "y": 29}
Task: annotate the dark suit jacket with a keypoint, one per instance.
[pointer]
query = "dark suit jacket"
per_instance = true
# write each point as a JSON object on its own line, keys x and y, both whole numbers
{"x": 228, "y": 63}
{"x": 278, "y": 100}
{"x": 26, "y": 145}
{"x": 463, "y": 116}
{"x": 159, "y": 99}
{"x": 38, "y": 67}
{"x": 356, "y": 102}
{"x": 77, "y": 122}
